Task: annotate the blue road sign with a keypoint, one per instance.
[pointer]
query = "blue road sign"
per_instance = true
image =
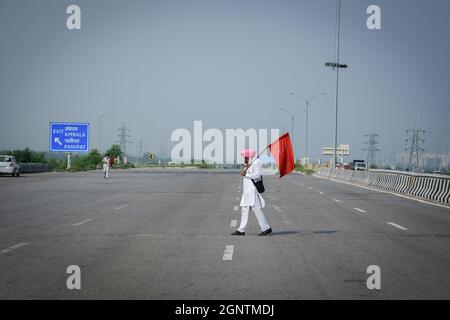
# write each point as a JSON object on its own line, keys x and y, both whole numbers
{"x": 69, "y": 136}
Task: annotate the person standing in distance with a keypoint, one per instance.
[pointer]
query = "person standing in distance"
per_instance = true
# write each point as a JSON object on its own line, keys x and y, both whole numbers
{"x": 251, "y": 198}
{"x": 106, "y": 162}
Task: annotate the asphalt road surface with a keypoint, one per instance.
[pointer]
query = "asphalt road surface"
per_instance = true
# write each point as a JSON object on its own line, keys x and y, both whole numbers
{"x": 159, "y": 234}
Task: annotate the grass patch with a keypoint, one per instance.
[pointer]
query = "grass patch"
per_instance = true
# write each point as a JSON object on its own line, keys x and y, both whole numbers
{"x": 302, "y": 169}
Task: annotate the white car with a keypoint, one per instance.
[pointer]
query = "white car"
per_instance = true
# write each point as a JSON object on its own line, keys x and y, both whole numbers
{"x": 9, "y": 165}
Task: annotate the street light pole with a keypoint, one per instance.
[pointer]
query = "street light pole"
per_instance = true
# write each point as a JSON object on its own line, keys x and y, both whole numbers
{"x": 292, "y": 115}
{"x": 338, "y": 29}
{"x": 101, "y": 116}
{"x": 336, "y": 65}
{"x": 307, "y": 113}
{"x": 292, "y": 127}
{"x": 307, "y": 100}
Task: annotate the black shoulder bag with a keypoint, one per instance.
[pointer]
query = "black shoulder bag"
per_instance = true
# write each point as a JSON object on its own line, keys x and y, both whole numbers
{"x": 259, "y": 184}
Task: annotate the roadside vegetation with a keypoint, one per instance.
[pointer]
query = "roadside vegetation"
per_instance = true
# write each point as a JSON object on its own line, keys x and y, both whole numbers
{"x": 26, "y": 155}
{"x": 90, "y": 161}
{"x": 58, "y": 162}
{"x": 202, "y": 165}
{"x": 302, "y": 169}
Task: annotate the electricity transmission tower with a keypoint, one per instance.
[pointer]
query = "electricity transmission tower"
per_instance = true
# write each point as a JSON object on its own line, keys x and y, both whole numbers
{"x": 140, "y": 149}
{"x": 372, "y": 148}
{"x": 415, "y": 138}
{"x": 437, "y": 165}
{"x": 123, "y": 138}
{"x": 393, "y": 156}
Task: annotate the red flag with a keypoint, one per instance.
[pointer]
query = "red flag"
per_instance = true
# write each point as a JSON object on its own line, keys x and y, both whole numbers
{"x": 282, "y": 151}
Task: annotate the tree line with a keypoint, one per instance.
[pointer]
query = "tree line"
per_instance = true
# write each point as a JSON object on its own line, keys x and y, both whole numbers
{"x": 79, "y": 162}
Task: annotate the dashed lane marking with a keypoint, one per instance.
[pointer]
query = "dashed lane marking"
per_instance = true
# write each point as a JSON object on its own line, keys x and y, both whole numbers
{"x": 14, "y": 247}
{"x": 360, "y": 210}
{"x": 233, "y": 223}
{"x": 82, "y": 222}
{"x": 277, "y": 209}
{"x": 228, "y": 253}
{"x": 397, "y": 226}
{"x": 122, "y": 206}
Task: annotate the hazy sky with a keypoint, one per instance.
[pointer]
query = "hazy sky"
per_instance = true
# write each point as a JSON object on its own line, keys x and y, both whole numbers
{"x": 159, "y": 65}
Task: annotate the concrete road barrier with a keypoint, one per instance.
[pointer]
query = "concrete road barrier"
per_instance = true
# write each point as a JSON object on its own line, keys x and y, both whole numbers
{"x": 427, "y": 186}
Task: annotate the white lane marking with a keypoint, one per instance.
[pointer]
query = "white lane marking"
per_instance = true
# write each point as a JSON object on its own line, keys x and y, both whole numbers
{"x": 358, "y": 209}
{"x": 384, "y": 191}
{"x": 309, "y": 188}
{"x": 233, "y": 223}
{"x": 320, "y": 192}
{"x": 237, "y": 198}
{"x": 277, "y": 209}
{"x": 82, "y": 222}
{"x": 122, "y": 206}
{"x": 287, "y": 222}
{"x": 14, "y": 247}
{"x": 228, "y": 253}
{"x": 301, "y": 184}
{"x": 336, "y": 200}
{"x": 235, "y": 208}
{"x": 397, "y": 226}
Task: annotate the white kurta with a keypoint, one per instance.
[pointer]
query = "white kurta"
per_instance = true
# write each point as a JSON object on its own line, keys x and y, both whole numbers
{"x": 105, "y": 163}
{"x": 249, "y": 193}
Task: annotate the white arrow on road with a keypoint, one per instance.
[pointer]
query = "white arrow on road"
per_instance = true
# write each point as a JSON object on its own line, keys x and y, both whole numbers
{"x": 58, "y": 141}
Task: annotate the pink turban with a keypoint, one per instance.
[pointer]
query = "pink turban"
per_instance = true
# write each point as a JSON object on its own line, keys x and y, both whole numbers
{"x": 250, "y": 153}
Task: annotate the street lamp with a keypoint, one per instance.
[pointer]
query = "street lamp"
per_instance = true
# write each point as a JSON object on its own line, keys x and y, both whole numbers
{"x": 336, "y": 65}
{"x": 307, "y": 100}
{"x": 292, "y": 115}
{"x": 101, "y": 116}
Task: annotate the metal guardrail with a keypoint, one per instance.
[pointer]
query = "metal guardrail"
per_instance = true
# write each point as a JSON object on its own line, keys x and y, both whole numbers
{"x": 33, "y": 167}
{"x": 409, "y": 173}
{"x": 433, "y": 187}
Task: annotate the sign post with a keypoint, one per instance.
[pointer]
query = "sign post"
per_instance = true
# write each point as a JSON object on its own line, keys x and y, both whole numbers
{"x": 69, "y": 137}
{"x": 343, "y": 150}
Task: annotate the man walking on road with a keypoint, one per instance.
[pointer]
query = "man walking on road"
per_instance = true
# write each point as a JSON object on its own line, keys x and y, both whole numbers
{"x": 251, "y": 198}
{"x": 106, "y": 163}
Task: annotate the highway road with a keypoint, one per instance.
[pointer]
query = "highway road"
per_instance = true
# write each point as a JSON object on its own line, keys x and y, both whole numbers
{"x": 161, "y": 234}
